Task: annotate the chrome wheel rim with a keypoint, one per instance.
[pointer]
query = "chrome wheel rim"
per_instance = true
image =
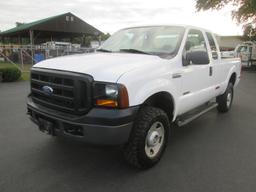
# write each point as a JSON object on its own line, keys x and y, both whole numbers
{"x": 155, "y": 139}
{"x": 229, "y": 99}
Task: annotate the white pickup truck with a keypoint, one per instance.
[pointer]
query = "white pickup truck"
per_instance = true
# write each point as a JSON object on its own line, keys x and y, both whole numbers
{"x": 138, "y": 84}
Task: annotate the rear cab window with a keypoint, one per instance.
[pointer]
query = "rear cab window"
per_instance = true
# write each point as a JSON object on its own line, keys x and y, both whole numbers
{"x": 213, "y": 46}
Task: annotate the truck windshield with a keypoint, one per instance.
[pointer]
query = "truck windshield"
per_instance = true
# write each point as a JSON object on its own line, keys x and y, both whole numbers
{"x": 163, "y": 41}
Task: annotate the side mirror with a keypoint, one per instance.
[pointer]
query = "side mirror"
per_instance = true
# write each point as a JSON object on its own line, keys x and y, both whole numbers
{"x": 197, "y": 57}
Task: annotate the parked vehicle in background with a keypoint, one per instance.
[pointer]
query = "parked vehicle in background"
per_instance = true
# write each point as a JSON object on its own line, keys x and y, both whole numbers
{"x": 227, "y": 54}
{"x": 140, "y": 82}
{"x": 55, "y": 49}
{"x": 247, "y": 52}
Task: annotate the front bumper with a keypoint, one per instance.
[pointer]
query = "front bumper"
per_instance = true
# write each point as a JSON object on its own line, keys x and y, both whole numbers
{"x": 99, "y": 126}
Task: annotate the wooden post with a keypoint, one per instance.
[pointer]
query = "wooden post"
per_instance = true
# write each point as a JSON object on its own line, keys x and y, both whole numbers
{"x": 31, "y": 35}
{"x": 2, "y": 40}
{"x": 21, "y": 58}
{"x": 83, "y": 40}
{"x": 20, "y": 40}
{"x": 100, "y": 40}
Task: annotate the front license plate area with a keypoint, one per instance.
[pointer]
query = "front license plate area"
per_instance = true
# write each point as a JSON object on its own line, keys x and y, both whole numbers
{"x": 46, "y": 126}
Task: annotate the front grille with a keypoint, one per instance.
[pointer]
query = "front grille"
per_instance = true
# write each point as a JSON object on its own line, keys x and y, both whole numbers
{"x": 71, "y": 91}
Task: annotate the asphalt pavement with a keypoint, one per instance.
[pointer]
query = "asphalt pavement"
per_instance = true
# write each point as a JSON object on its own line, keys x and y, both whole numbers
{"x": 215, "y": 153}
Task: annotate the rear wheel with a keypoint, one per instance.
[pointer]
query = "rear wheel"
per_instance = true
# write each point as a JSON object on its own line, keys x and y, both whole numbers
{"x": 148, "y": 138}
{"x": 225, "y": 100}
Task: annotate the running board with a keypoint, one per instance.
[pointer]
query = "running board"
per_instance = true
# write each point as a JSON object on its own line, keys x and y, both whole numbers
{"x": 188, "y": 117}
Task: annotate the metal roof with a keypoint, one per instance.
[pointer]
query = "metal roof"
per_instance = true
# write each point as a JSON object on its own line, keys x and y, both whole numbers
{"x": 57, "y": 24}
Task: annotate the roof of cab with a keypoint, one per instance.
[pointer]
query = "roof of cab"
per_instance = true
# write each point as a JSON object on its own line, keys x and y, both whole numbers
{"x": 170, "y": 25}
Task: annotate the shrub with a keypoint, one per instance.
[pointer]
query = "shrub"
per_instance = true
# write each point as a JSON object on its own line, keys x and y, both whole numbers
{"x": 10, "y": 74}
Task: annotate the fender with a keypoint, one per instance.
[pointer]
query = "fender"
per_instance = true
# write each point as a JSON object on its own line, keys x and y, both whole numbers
{"x": 142, "y": 91}
{"x": 232, "y": 70}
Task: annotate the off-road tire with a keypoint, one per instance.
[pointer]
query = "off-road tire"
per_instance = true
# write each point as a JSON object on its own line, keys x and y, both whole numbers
{"x": 134, "y": 151}
{"x": 222, "y": 100}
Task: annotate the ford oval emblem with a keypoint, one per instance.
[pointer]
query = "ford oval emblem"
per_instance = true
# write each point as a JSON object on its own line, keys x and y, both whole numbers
{"x": 47, "y": 90}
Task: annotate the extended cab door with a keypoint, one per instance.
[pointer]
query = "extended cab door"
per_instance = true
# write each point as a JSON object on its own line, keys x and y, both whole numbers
{"x": 220, "y": 69}
{"x": 196, "y": 72}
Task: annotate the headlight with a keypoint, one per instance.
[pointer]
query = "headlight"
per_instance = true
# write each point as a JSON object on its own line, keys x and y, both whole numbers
{"x": 110, "y": 95}
{"x": 111, "y": 91}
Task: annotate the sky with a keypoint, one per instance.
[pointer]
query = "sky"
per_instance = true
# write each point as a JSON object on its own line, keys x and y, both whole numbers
{"x": 112, "y": 15}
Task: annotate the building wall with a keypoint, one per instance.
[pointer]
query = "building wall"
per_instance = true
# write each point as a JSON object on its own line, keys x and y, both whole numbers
{"x": 229, "y": 42}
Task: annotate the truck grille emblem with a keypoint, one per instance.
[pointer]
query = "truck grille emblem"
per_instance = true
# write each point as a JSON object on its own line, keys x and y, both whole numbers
{"x": 47, "y": 90}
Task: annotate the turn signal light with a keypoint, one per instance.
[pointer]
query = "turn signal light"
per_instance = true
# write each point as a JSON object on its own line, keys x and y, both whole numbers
{"x": 106, "y": 103}
{"x": 123, "y": 97}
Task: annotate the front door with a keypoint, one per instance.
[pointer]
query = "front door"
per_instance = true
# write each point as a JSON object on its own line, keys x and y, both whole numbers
{"x": 195, "y": 77}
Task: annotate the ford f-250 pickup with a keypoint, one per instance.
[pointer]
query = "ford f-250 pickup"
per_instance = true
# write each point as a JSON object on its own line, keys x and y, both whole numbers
{"x": 138, "y": 84}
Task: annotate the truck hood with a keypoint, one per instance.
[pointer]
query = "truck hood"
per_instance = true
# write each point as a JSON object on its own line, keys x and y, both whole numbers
{"x": 102, "y": 66}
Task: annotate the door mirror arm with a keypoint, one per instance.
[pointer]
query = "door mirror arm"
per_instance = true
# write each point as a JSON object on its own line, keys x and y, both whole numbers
{"x": 185, "y": 61}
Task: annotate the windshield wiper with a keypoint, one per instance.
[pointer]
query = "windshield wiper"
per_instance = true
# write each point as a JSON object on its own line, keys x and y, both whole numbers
{"x": 104, "y": 50}
{"x": 134, "y": 51}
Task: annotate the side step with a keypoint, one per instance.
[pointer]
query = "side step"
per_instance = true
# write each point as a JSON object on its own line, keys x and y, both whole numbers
{"x": 192, "y": 115}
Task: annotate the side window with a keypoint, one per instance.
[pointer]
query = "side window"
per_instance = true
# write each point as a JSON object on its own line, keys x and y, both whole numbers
{"x": 242, "y": 49}
{"x": 195, "y": 51}
{"x": 212, "y": 45}
{"x": 195, "y": 41}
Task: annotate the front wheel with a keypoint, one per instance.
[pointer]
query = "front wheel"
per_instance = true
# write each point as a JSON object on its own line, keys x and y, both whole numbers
{"x": 225, "y": 100}
{"x": 148, "y": 138}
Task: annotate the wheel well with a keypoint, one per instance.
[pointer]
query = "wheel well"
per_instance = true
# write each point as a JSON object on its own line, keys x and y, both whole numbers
{"x": 233, "y": 79}
{"x": 162, "y": 100}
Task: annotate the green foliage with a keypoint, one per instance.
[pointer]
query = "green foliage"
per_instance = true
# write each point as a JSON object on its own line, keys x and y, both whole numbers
{"x": 104, "y": 37}
{"x": 10, "y": 74}
{"x": 25, "y": 76}
{"x": 244, "y": 13}
{"x": 250, "y": 32}
{"x": 211, "y": 4}
{"x": 87, "y": 40}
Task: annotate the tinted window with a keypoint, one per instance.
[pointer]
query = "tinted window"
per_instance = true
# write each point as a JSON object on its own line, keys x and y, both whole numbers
{"x": 212, "y": 45}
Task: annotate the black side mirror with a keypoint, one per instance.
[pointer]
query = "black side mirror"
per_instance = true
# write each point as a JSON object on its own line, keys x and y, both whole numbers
{"x": 197, "y": 57}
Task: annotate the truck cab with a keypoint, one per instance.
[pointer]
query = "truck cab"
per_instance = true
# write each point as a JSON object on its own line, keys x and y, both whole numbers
{"x": 138, "y": 84}
{"x": 247, "y": 52}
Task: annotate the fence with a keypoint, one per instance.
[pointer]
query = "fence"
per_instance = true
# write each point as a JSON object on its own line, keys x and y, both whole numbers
{"x": 23, "y": 54}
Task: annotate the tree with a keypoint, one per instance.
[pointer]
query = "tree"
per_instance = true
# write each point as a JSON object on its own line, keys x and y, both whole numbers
{"x": 250, "y": 32}
{"x": 104, "y": 36}
{"x": 244, "y": 12}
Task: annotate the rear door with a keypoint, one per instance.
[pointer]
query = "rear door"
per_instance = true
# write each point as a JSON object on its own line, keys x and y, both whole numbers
{"x": 195, "y": 77}
{"x": 219, "y": 69}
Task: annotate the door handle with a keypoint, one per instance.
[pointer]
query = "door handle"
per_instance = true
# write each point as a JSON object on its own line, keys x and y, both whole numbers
{"x": 210, "y": 71}
{"x": 176, "y": 75}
